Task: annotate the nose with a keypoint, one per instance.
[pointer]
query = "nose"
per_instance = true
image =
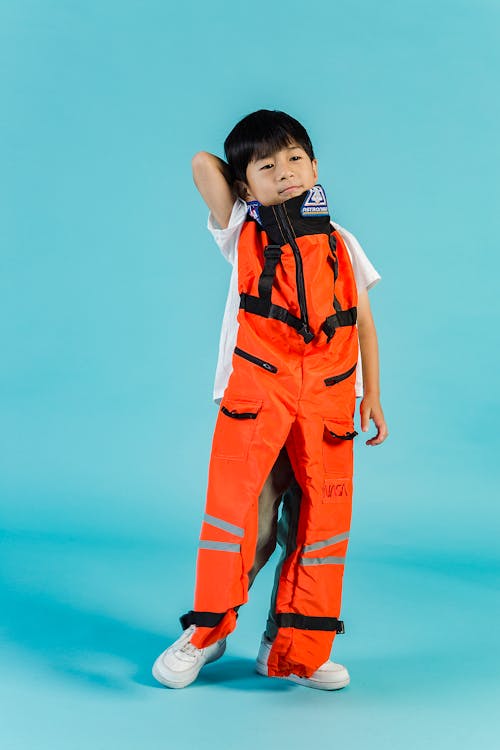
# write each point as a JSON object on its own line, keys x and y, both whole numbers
{"x": 284, "y": 169}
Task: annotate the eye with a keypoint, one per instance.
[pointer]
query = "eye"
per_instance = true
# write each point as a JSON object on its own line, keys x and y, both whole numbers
{"x": 296, "y": 157}
{"x": 267, "y": 166}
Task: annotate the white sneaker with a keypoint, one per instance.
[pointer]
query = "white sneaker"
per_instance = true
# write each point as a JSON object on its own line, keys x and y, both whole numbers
{"x": 329, "y": 676}
{"x": 179, "y": 665}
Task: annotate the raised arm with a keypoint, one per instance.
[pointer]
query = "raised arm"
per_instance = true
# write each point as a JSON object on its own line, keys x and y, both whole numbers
{"x": 212, "y": 178}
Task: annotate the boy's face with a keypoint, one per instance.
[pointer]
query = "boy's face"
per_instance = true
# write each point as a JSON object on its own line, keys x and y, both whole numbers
{"x": 280, "y": 176}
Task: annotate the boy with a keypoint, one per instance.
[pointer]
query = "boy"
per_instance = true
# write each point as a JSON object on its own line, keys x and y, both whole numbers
{"x": 287, "y": 411}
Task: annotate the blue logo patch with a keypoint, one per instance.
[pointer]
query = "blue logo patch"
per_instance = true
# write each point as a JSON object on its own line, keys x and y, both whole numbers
{"x": 315, "y": 203}
{"x": 253, "y": 210}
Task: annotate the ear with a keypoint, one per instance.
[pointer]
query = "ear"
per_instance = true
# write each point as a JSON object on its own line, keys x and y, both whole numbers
{"x": 315, "y": 169}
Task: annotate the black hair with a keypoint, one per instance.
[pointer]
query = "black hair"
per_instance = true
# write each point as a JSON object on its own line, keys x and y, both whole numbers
{"x": 260, "y": 134}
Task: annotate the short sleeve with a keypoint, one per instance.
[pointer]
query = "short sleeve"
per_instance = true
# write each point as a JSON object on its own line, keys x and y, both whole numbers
{"x": 365, "y": 274}
{"x": 227, "y": 239}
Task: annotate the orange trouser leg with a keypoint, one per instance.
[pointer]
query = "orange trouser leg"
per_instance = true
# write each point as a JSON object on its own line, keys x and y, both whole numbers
{"x": 243, "y": 454}
{"x": 309, "y": 590}
{"x": 256, "y": 413}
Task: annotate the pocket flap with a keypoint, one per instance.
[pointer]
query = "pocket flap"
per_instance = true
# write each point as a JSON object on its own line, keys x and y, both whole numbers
{"x": 239, "y": 408}
{"x": 341, "y": 429}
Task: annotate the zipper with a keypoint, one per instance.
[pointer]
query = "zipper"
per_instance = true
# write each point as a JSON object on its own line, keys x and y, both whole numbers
{"x": 301, "y": 291}
{"x": 256, "y": 361}
{"x": 238, "y": 415}
{"x": 343, "y": 375}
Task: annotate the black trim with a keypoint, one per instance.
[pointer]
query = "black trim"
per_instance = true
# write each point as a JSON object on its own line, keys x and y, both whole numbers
{"x": 336, "y": 304}
{"x": 202, "y": 619}
{"x": 343, "y": 375}
{"x": 339, "y": 319}
{"x": 305, "y": 622}
{"x": 332, "y": 241}
{"x": 255, "y": 360}
{"x": 346, "y": 436}
{"x": 272, "y": 254}
{"x": 238, "y": 415}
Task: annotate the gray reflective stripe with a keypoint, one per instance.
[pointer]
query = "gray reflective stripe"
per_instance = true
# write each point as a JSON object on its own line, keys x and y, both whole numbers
{"x": 224, "y": 525}
{"x": 221, "y": 546}
{"x": 326, "y": 542}
{"x": 322, "y": 560}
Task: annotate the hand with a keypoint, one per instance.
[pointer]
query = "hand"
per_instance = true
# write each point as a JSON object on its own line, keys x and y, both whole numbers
{"x": 370, "y": 408}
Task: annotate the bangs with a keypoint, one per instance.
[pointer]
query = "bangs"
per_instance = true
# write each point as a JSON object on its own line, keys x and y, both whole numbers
{"x": 274, "y": 141}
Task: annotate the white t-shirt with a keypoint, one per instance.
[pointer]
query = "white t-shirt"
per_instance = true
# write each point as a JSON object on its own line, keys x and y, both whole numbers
{"x": 227, "y": 239}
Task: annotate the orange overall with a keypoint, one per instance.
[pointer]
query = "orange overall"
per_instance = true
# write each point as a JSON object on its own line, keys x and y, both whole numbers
{"x": 292, "y": 385}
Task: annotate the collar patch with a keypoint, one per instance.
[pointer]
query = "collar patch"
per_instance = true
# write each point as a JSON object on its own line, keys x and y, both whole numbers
{"x": 253, "y": 210}
{"x": 315, "y": 203}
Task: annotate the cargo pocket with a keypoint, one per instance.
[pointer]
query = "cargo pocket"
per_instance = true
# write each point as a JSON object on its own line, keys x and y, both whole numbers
{"x": 235, "y": 428}
{"x": 338, "y": 435}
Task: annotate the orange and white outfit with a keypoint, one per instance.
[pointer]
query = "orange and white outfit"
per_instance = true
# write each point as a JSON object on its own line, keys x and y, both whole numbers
{"x": 293, "y": 385}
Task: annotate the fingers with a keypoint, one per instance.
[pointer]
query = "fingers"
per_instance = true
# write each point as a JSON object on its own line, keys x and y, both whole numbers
{"x": 365, "y": 421}
{"x": 370, "y": 409}
{"x": 365, "y": 414}
{"x": 382, "y": 434}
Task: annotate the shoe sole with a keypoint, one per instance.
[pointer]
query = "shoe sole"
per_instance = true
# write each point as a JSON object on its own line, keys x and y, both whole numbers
{"x": 261, "y": 669}
{"x": 188, "y": 679}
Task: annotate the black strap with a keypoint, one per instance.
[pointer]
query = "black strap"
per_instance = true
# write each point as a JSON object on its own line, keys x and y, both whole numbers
{"x": 272, "y": 254}
{"x": 257, "y": 306}
{"x": 336, "y": 304}
{"x": 304, "y": 622}
{"x": 203, "y": 619}
{"x": 339, "y": 319}
{"x": 332, "y": 240}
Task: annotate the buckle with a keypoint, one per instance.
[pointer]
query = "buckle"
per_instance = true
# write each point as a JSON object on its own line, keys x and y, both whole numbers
{"x": 273, "y": 251}
{"x": 306, "y": 334}
{"x": 329, "y": 329}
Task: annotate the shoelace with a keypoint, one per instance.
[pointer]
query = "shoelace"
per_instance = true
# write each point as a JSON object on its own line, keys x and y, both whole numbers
{"x": 189, "y": 649}
{"x": 185, "y": 645}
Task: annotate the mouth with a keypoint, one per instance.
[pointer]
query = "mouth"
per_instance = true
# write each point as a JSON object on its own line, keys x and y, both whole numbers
{"x": 288, "y": 189}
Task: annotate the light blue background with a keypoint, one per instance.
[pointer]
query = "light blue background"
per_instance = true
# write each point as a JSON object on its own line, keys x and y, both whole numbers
{"x": 112, "y": 294}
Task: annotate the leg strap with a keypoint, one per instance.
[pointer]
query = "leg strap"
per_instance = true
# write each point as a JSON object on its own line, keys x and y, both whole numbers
{"x": 303, "y": 622}
{"x": 201, "y": 619}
